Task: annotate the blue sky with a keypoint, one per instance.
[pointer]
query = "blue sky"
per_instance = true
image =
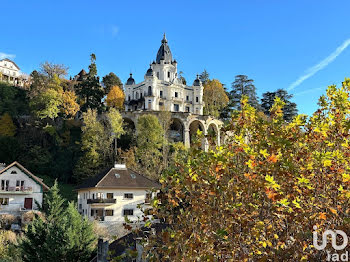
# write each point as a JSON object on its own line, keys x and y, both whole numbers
{"x": 273, "y": 42}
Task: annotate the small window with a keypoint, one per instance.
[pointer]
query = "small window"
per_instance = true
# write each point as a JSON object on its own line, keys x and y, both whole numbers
{"x": 161, "y": 93}
{"x": 80, "y": 206}
{"x": 187, "y": 109}
{"x": 176, "y": 107}
{"x": 197, "y": 99}
{"x": 128, "y": 196}
{"x": 149, "y": 91}
{"x": 117, "y": 175}
{"x": 109, "y": 213}
{"x": 128, "y": 212}
{"x": 157, "y": 74}
{"x": 14, "y": 172}
{"x": 176, "y": 94}
{"x": 109, "y": 195}
{"x": 129, "y": 98}
{"x": 92, "y": 212}
{"x": 93, "y": 196}
{"x": 133, "y": 176}
{"x": 168, "y": 74}
{"x": 187, "y": 98}
{"x": 161, "y": 103}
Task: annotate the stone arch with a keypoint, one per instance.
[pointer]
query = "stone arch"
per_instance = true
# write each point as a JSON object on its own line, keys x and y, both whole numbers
{"x": 213, "y": 134}
{"x": 193, "y": 127}
{"x": 176, "y": 130}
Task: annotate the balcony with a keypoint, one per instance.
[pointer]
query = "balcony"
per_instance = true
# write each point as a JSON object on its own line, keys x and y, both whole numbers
{"x": 17, "y": 190}
{"x": 103, "y": 201}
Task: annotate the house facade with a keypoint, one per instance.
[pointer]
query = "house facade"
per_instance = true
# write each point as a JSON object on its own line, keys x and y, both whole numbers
{"x": 162, "y": 89}
{"x": 10, "y": 73}
{"x": 19, "y": 189}
{"x": 115, "y": 194}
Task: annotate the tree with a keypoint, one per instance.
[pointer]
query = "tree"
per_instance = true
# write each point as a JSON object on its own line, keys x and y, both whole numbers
{"x": 70, "y": 107}
{"x": 62, "y": 235}
{"x": 8, "y": 250}
{"x": 182, "y": 78}
{"x": 47, "y": 102}
{"x": 110, "y": 81}
{"x": 289, "y": 110}
{"x": 115, "y": 98}
{"x": 90, "y": 90}
{"x": 49, "y": 70}
{"x": 240, "y": 87}
{"x": 92, "y": 140}
{"x": 258, "y": 197}
{"x": 7, "y": 127}
{"x": 214, "y": 97}
{"x": 204, "y": 76}
{"x": 149, "y": 144}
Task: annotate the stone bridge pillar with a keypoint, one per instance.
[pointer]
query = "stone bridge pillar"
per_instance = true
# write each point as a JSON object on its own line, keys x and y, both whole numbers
{"x": 187, "y": 138}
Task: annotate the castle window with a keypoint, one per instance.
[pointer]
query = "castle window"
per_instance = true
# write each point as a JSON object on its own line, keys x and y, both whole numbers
{"x": 157, "y": 74}
{"x": 176, "y": 94}
{"x": 137, "y": 95}
{"x": 140, "y": 95}
{"x": 187, "y": 98}
{"x": 149, "y": 90}
{"x": 168, "y": 74}
{"x": 176, "y": 108}
{"x": 187, "y": 109}
{"x": 129, "y": 98}
{"x": 161, "y": 93}
{"x": 197, "y": 99}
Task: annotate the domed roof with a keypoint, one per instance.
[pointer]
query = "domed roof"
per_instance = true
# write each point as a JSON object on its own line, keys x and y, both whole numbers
{"x": 149, "y": 71}
{"x": 164, "y": 52}
{"x": 130, "y": 81}
{"x": 197, "y": 82}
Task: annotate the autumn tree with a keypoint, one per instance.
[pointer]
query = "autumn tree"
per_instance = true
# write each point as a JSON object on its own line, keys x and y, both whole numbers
{"x": 240, "y": 87}
{"x": 149, "y": 144}
{"x": 69, "y": 105}
{"x": 50, "y": 70}
{"x": 7, "y": 127}
{"x": 258, "y": 197}
{"x": 214, "y": 97}
{"x": 110, "y": 81}
{"x": 89, "y": 90}
{"x": 115, "y": 98}
{"x": 290, "y": 108}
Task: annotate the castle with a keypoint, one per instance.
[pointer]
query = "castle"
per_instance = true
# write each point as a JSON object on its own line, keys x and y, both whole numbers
{"x": 163, "y": 90}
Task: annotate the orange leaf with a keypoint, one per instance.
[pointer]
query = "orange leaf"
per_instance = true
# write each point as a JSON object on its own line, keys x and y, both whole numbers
{"x": 272, "y": 158}
{"x": 322, "y": 216}
{"x": 334, "y": 211}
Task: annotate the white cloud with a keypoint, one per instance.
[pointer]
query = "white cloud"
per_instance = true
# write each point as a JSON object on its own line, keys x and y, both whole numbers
{"x": 309, "y": 91}
{"x": 313, "y": 70}
{"x": 9, "y": 56}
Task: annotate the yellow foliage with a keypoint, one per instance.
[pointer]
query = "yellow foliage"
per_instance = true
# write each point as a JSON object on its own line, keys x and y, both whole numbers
{"x": 115, "y": 98}
{"x": 214, "y": 97}
{"x": 69, "y": 106}
{"x": 7, "y": 127}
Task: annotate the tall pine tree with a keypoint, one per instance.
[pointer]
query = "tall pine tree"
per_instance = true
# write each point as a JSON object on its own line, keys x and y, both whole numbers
{"x": 289, "y": 110}
{"x": 243, "y": 86}
{"x": 90, "y": 89}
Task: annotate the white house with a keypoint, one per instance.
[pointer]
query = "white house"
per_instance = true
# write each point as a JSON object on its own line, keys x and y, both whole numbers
{"x": 10, "y": 72}
{"x": 162, "y": 89}
{"x": 114, "y": 194}
{"x": 19, "y": 189}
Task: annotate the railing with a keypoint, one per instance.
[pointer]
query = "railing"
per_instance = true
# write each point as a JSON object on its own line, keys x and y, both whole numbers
{"x": 101, "y": 201}
{"x": 19, "y": 189}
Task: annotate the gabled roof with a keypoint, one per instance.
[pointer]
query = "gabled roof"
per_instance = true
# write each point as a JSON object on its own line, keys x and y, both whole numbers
{"x": 8, "y": 60}
{"x": 119, "y": 178}
{"x": 37, "y": 179}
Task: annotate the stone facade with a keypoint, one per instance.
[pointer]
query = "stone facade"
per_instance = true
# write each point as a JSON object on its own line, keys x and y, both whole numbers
{"x": 163, "y": 90}
{"x": 10, "y": 72}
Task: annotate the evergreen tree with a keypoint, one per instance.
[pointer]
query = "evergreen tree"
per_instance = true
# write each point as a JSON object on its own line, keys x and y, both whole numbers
{"x": 243, "y": 86}
{"x": 111, "y": 80}
{"x": 204, "y": 76}
{"x": 289, "y": 110}
{"x": 90, "y": 90}
{"x": 62, "y": 235}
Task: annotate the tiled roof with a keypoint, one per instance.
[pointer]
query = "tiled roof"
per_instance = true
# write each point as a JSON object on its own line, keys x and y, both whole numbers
{"x": 37, "y": 179}
{"x": 119, "y": 178}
